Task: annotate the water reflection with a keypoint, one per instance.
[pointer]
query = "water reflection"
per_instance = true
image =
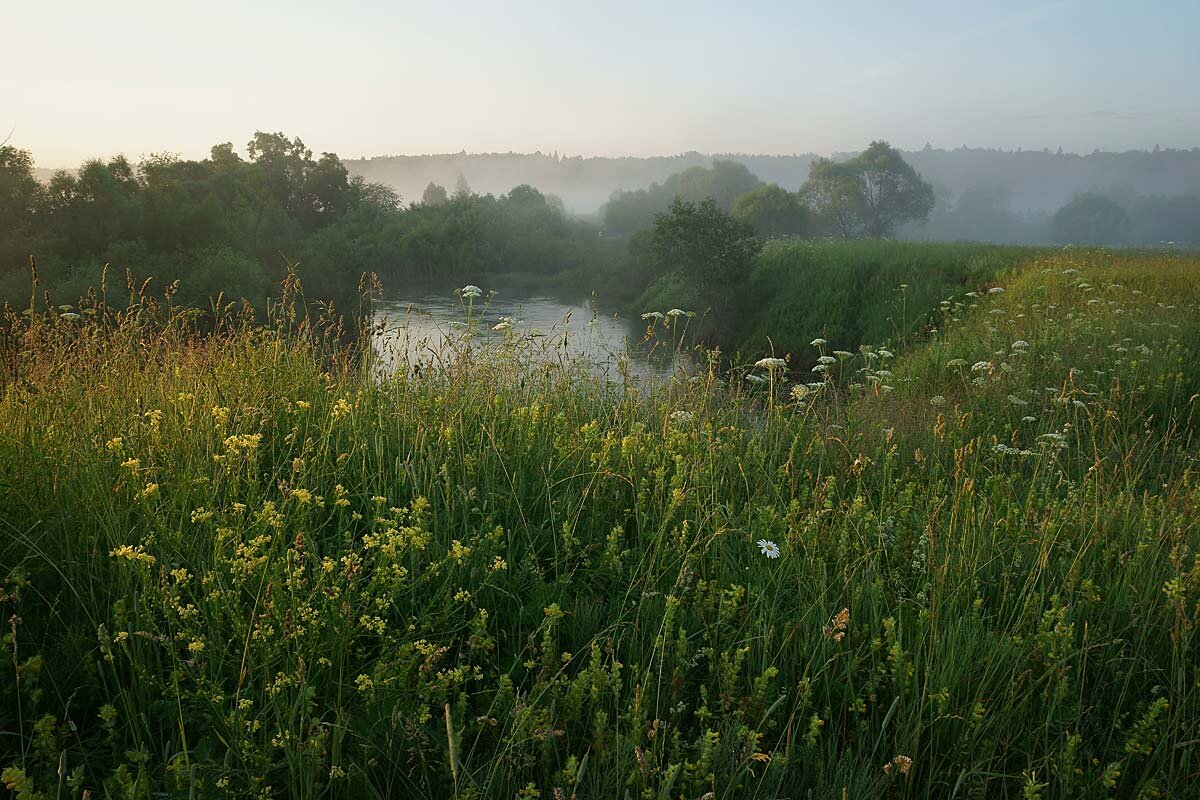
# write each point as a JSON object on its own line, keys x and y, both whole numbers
{"x": 420, "y": 331}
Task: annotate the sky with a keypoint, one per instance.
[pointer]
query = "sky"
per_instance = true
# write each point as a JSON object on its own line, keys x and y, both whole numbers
{"x": 86, "y": 79}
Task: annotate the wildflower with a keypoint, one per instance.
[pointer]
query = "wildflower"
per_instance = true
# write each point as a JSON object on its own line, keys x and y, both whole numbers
{"x": 981, "y": 366}
{"x": 652, "y": 315}
{"x": 459, "y": 551}
{"x": 679, "y": 312}
{"x": 886, "y": 353}
{"x": 69, "y": 315}
{"x": 843, "y": 354}
{"x": 756, "y": 379}
{"x": 201, "y": 514}
{"x": 505, "y": 324}
{"x": 800, "y": 392}
{"x": 498, "y": 564}
{"x": 956, "y": 363}
{"x": 462, "y": 596}
{"x": 996, "y": 290}
{"x": 470, "y": 291}
{"x": 114, "y": 444}
{"x": 901, "y": 763}
{"x": 134, "y": 553}
{"x": 770, "y": 363}
{"x": 341, "y": 408}
{"x": 826, "y": 360}
{"x": 1020, "y": 344}
{"x": 131, "y": 464}
{"x": 150, "y": 490}
{"x": 818, "y": 343}
{"x": 195, "y": 647}
{"x": 836, "y": 629}
{"x": 303, "y": 496}
{"x": 768, "y": 548}
{"x": 681, "y": 417}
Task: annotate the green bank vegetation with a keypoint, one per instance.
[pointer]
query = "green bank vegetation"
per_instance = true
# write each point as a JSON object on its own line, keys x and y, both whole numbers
{"x": 238, "y": 563}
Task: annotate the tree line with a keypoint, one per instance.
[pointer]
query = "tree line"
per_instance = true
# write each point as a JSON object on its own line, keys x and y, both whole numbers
{"x": 235, "y": 225}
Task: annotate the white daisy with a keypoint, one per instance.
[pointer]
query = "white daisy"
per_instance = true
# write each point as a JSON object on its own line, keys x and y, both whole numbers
{"x": 768, "y": 548}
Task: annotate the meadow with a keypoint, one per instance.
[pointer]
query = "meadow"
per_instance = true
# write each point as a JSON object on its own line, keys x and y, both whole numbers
{"x": 957, "y": 560}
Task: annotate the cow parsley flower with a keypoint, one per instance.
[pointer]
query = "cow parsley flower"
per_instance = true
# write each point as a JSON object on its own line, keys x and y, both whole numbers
{"x": 471, "y": 291}
{"x": 770, "y": 363}
{"x": 818, "y": 342}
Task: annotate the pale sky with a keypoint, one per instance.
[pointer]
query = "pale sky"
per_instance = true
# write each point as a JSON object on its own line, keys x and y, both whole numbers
{"x": 360, "y": 78}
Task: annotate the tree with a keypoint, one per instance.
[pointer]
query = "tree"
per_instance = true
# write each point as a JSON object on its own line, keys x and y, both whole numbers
{"x": 434, "y": 195}
{"x": 462, "y": 189}
{"x": 707, "y": 247}
{"x": 869, "y": 195}
{"x": 724, "y": 181}
{"x": 1091, "y": 218}
{"x": 772, "y": 211}
{"x": 20, "y": 192}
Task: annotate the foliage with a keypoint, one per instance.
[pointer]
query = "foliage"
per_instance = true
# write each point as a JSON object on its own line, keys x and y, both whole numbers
{"x": 434, "y": 195}
{"x": 868, "y": 195}
{"x": 850, "y": 293}
{"x": 232, "y": 227}
{"x": 707, "y": 248}
{"x": 236, "y": 564}
{"x": 1091, "y": 219}
{"x": 773, "y": 212}
{"x": 724, "y": 182}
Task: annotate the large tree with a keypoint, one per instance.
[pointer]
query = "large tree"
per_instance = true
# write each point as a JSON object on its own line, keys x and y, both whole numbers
{"x": 707, "y": 247}
{"x": 773, "y": 211}
{"x": 868, "y": 195}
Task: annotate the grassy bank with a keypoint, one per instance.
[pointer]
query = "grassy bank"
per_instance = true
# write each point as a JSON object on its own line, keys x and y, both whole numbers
{"x": 237, "y": 565}
{"x": 848, "y": 292}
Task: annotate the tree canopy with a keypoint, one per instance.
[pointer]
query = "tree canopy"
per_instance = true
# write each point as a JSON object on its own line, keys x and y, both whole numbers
{"x": 724, "y": 182}
{"x": 772, "y": 211}
{"x": 1091, "y": 218}
{"x": 868, "y": 195}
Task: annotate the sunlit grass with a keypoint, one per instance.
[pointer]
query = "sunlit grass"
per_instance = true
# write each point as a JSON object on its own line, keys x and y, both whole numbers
{"x": 241, "y": 564}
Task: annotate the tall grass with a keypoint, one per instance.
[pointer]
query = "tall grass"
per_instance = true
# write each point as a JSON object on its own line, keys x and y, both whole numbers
{"x": 237, "y": 564}
{"x": 849, "y": 293}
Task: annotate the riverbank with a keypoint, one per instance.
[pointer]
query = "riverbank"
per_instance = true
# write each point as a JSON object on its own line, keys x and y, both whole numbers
{"x": 240, "y": 564}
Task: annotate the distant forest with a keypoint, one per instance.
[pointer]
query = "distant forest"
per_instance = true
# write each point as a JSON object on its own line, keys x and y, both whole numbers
{"x": 1015, "y": 192}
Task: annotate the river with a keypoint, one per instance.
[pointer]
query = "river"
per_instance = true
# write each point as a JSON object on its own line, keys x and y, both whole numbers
{"x": 421, "y": 329}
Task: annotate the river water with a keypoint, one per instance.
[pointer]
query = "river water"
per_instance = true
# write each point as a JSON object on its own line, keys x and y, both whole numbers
{"x": 423, "y": 330}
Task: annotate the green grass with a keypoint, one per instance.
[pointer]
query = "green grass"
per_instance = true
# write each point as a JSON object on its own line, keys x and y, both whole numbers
{"x": 849, "y": 293}
{"x": 238, "y": 565}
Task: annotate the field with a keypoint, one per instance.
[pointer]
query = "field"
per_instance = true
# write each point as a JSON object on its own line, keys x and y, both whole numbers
{"x": 954, "y": 564}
